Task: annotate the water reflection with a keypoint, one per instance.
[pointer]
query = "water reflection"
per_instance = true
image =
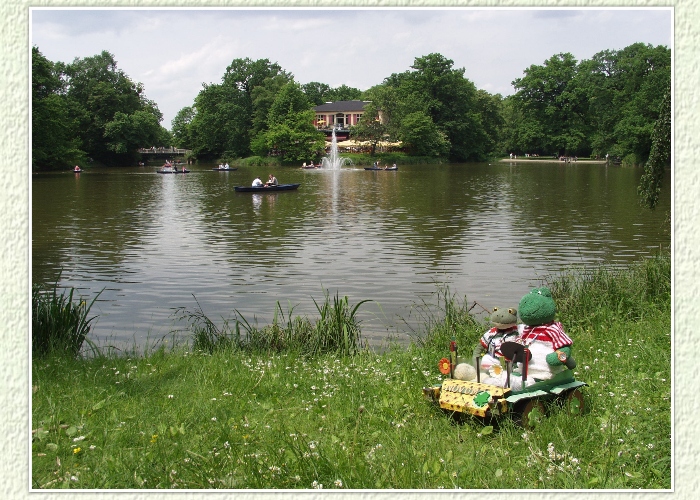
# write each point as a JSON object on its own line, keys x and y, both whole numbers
{"x": 489, "y": 232}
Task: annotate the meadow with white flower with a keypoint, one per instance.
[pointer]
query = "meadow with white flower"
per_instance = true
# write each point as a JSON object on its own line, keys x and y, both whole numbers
{"x": 231, "y": 416}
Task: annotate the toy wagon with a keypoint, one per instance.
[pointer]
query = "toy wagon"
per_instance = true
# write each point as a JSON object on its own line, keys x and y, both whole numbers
{"x": 487, "y": 402}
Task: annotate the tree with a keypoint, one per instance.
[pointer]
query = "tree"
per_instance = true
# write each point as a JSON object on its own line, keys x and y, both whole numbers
{"x": 369, "y": 128}
{"x": 230, "y": 113}
{"x": 54, "y": 130}
{"x": 319, "y": 93}
{"x": 181, "y": 127}
{"x": 125, "y": 133}
{"x": 343, "y": 93}
{"x": 290, "y": 132}
{"x": 450, "y": 100}
{"x": 645, "y": 72}
{"x": 263, "y": 97}
{"x": 422, "y": 137}
{"x": 112, "y": 111}
{"x": 550, "y": 95}
{"x": 316, "y": 92}
{"x": 660, "y": 156}
{"x": 607, "y": 104}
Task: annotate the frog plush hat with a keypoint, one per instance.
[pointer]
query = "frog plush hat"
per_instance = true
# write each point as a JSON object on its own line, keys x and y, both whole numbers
{"x": 549, "y": 345}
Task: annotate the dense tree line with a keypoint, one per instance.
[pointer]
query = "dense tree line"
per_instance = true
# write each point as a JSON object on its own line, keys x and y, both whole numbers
{"x": 89, "y": 110}
{"x": 606, "y": 105}
{"x": 609, "y": 104}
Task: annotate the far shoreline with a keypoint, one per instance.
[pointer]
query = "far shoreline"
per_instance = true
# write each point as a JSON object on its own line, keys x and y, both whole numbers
{"x": 542, "y": 160}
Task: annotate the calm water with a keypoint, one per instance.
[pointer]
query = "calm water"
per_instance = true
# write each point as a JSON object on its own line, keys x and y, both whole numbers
{"x": 489, "y": 232}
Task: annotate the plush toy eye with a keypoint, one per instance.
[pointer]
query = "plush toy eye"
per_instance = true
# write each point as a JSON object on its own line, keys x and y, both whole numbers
{"x": 512, "y": 311}
{"x": 495, "y": 309}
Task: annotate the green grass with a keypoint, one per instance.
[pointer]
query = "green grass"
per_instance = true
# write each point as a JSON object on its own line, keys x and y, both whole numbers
{"x": 241, "y": 419}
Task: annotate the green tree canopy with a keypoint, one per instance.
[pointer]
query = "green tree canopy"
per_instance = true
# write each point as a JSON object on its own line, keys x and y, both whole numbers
{"x": 230, "y": 113}
{"x": 550, "y": 96}
{"x": 290, "y": 133}
{"x": 370, "y": 128}
{"x": 444, "y": 95}
{"x": 182, "y": 134}
{"x": 319, "y": 93}
{"x": 316, "y": 92}
{"x": 55, "y": 143}
{"x": 112, "y": 111}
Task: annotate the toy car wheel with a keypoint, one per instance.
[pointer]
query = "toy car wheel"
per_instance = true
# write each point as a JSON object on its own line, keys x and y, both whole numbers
{"x": 574, "y": 402}
{"x": 532, "y": 414}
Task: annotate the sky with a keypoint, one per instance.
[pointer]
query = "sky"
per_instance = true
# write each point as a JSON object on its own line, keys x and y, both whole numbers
{"x": 172, "y": 52}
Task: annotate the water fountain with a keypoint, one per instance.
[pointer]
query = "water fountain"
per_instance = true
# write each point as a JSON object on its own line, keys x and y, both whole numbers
{"x": 333, "y": 161}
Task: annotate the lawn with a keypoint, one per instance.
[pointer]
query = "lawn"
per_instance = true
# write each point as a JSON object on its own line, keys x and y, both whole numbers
{"x": 237, "y": 418}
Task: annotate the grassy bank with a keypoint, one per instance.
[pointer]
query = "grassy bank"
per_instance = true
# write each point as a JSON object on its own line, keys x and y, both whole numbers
{"x": 264, "y": 418}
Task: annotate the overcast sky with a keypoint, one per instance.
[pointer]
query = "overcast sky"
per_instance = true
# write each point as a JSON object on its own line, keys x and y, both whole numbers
{"x": 173, "y": 51}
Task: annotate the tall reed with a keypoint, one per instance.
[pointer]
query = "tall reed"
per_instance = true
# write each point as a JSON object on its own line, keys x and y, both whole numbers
{"x": 336, "y": 331}
{"x": 596, "y": 296}
{"x": 206, "y": 336}
{"x": 59, "y": 325}
{"x": 450, "y": 317}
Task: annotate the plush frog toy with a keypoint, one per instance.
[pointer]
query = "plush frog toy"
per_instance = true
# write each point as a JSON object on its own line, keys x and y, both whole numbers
{"x": 504, "y": 328}
{"x": 549, "y": 345}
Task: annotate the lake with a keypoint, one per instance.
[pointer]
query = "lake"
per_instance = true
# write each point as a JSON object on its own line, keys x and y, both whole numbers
{"x": 488, "y": 232}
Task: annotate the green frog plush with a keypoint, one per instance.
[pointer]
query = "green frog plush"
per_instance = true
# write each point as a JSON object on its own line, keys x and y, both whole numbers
{"x": 504, "y": 328}
{"x": 549, "y": 345}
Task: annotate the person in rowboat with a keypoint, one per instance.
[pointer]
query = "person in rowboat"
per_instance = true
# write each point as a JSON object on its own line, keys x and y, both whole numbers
{"x": 257, "y": 182}
{"x": 272, "y": 181}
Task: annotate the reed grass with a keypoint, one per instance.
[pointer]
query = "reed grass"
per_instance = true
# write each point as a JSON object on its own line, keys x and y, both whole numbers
{"x": 591, "y": 297}
{"x": 337, "y": 330}
{"x": 60, "y": 324}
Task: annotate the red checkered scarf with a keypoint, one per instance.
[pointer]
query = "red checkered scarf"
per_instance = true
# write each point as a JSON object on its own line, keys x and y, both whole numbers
{"x": 550, "y": 332}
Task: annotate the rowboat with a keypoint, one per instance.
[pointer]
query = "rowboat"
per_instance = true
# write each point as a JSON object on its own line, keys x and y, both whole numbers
{"x": 266, "y": 189}
{"x": 385, "y": 169}
{"x": 224, "y": 169}
{"x": 171, "y": 170}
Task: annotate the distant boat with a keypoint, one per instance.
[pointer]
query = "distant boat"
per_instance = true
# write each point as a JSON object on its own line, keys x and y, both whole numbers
{"x": 379, "y": 168}
{"x": 266, "y": 189}
{"x": 172, "y": 170}
{"x": 224, "y": 169}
